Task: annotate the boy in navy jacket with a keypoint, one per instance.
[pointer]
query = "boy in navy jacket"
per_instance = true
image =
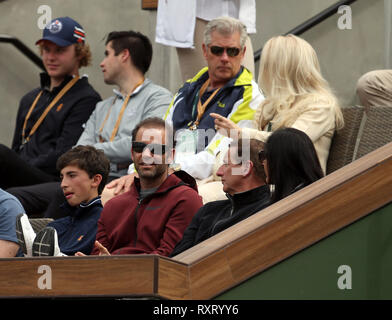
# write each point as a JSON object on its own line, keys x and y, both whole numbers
{"x": 83, "y": 172}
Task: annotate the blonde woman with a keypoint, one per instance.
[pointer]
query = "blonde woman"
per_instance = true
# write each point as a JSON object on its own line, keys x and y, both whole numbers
{"x": 296, "y": 95}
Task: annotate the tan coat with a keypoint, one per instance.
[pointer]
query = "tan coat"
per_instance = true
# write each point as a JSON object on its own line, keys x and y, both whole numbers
{"x": 317, "y": 121}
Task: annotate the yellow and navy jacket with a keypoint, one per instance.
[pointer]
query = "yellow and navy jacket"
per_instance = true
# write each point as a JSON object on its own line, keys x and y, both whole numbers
{"x": 237, "y": 100}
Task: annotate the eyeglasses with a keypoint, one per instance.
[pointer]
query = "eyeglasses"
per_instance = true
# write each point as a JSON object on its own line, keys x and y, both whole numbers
{"x": 155, "y": 148}
{"x": 231, "y": 51}
{"x": 262, "y": 155}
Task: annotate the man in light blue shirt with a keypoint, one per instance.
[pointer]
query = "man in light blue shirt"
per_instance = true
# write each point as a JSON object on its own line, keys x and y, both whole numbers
{"x": 10, "y": 207}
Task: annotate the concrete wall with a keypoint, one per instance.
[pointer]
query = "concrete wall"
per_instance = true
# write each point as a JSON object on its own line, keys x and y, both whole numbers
{"x": 344, "y": 54}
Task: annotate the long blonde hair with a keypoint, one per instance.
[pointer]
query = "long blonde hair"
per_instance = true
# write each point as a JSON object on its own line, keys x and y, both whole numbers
{"x": 291, "y": 80}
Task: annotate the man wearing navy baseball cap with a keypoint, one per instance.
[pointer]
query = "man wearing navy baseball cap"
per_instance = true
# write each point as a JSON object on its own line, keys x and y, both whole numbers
{"x": 50, "y": 118}
{"x": 63, "y": 32}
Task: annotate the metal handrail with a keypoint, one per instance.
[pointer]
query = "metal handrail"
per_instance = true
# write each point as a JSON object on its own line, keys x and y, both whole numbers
{"x": 31, "y": 55}
{"x": 310, "y": 23}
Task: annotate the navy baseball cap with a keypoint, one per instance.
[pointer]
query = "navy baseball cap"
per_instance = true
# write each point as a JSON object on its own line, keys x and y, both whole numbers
{"x": 63, "y": 31}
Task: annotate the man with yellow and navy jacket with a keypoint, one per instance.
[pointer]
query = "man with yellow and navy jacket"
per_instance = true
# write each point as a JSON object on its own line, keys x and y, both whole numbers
{"x": 237, "y": 100}
{"x": 225, "y": 87}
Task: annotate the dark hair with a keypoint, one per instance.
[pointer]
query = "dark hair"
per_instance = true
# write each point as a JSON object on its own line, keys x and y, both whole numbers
{"x": 155, "y": 122}
{"x": 292, "y": 161}
{"x": 138, "y": 45}
{"x": 252, "y": 147}
{"x": 89, "y": 159}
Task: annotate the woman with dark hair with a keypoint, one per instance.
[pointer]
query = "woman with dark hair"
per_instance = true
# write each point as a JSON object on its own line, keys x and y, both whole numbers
{"x": 290, "y": 162}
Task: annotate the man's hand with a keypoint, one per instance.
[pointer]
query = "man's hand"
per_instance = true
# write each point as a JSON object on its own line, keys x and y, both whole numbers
{"x": 102, "y": 250}
{"x": 122, "y": 184}
{"x": 225, "y": 126}
{"x": 116, "y": 187}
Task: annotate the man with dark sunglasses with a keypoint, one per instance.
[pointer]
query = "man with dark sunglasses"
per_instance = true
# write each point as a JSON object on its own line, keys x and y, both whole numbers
{"x": 154, "y": 148}
{"x": 231, "y": 51}
{"x": 224, "y": 87}
{"x": 152, "y": 216}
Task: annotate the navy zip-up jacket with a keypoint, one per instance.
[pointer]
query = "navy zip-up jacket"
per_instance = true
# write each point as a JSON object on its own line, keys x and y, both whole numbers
{"x": 77, "y": 231}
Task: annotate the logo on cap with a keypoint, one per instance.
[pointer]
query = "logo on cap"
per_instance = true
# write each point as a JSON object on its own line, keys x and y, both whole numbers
{"x": 55, "y": 26}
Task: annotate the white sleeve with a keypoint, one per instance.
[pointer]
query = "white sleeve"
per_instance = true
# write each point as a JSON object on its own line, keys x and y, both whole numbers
{"x": 201, "y": 164}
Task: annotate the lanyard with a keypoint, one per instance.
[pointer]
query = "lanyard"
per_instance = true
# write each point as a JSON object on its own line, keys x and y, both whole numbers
{"x": 120, "y": 116}
{"x": 201, "y": 108}
{"x": 46, "y": 111}
{"x": 106, "y": 119}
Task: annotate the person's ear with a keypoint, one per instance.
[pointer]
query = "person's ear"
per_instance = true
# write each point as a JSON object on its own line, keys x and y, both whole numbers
{"x": 247, "y": 168}
{"x": 169, "y": 156}
{"x": 205, "y": 49}
{"x": 132, "y": 155}
{"x": 125, "y": 55}
{"x": 243, "y": 52}
{"x": 96, "y": 180}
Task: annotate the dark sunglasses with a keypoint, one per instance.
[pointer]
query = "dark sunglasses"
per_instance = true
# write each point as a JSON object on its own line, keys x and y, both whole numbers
{"x": 262, "y": 155}
{"x": 231, "y": 52}
{"x": 155, "y": 148}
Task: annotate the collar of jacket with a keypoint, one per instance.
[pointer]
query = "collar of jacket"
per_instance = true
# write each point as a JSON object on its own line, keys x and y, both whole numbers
{"x": 45, "y": 82}
{"x": 140, "y": 88}
{"x": 249, "y": 196}
{"x": 242, "y": 78}
{"x": 81, "y": 208}
{"x": 176, "y": 179}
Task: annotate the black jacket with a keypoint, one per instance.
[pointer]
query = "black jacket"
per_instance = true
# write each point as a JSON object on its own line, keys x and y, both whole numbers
{"x": 217, "y": 216}
{"x": 62, "y": 126}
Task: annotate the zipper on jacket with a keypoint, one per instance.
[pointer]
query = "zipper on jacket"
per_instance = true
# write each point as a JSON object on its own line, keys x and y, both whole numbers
{"x": 151, "y": 196}
{"x": 230, "y": 215}
{"x": 136, "y": 211}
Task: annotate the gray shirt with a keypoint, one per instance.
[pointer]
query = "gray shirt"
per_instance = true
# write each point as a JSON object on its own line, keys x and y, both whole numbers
{"x": 148, "y": 100}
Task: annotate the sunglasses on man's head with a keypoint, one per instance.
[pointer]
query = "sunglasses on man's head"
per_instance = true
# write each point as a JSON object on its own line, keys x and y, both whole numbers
{"x": 231, "y": 52}
{"x": 155, "y": 148}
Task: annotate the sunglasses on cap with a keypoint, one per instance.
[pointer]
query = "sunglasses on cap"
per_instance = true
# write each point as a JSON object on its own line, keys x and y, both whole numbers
{"x": 231, "y": 51}
{"x": 155, "y": 148}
